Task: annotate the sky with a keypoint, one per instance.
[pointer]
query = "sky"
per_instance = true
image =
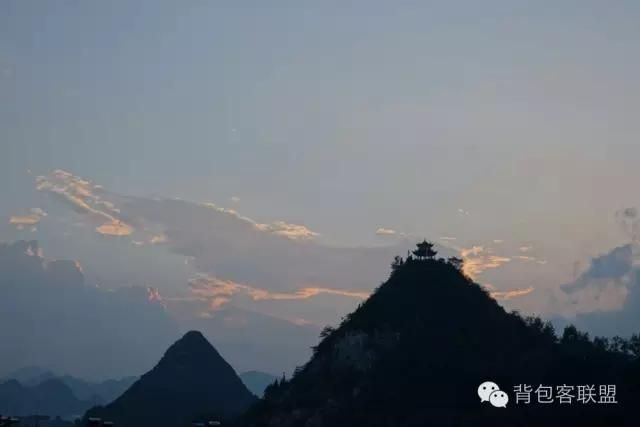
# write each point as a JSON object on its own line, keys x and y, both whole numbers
{"x": 505, "y": 126}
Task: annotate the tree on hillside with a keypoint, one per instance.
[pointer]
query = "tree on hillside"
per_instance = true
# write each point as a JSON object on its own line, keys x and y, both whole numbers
{"x": 424, "y": 250}
{"x": 397, "y": 263}
{"x": 634, "y": 345}
{"x": 458, "y": 263}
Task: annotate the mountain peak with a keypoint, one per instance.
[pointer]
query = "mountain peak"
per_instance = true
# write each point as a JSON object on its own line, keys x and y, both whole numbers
{"x": 193, "y": 335}
{"x": 192, "y": 379}
{"x": 193, "y": 340}
{"x": 194, "y": 352}
{"x": 415, "y": 351}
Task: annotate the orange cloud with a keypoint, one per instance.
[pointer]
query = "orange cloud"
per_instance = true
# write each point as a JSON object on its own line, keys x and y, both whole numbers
{"x": 506, "y": 295}
{"x": 305, "y": 293}
{"x": 83, "y": 197}
{"x": 218, "y": 291}
{"x": 477, "y": 260}
{"x": 158, "y": 238}
{"x": 33, "y": 218}
{"x": 218, "y": 302}
{"x": 385, "y": 232}
{"x": 389, "y": 232}
{"x": 524, "y": 258}
{"x": 116, "y": 228}
{"x": 24, "y": 220}
{"x": 153, "y": 294}
{"x": 279, "y": 228}
{"x": 298, "y": 321}
{"x": 91, "y": 200}
{"x": 290, "y": 231}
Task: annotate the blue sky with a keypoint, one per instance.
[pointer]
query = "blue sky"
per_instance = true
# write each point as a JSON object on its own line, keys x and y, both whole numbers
{"x": 344, "y": 117}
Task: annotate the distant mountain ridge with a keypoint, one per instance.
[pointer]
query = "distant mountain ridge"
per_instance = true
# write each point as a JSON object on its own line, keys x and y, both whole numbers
{"x": 191, "y": 380}
{"x": 102, "y": 392}
{"x": 96, "y": 392}
{"x": 29, "y": 375}
{"x": 51, "y": 397}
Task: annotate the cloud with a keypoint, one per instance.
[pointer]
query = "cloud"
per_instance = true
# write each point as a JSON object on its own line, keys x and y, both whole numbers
{"x": 282, "y": 258}
{"x": 152, "y": 239}
{"x": 529, "y": 258}
{"x": 91, "y": 200}
{"x": 509, "y": 294}
{"x": 274, "y": 271}
{"x": 85, "y": 198}
{"x": 305, "y": 293}
{"x": 278, "y": 269}
{"x": 611, "y": 267}
{"x": 299, "y": 321}
{"x": 524, "y": 258}
{"x": 385, "y": 232}
{"x": 477, "y": 260}
{"x": 216, "y": 303}
{"x": 219, "y": 292}
{"x": 290, "y": 231}
{"x": 34, "y": 217}
{"x": 606, "y": 296}
{"x": 116, "y": 228}
{"x": 605, "y": 284}
{"x": 50, "y": 306}
{"x": 629, "y": 221}
{"x": 33, "y": 250}
{"x": 38, "y": 211}
{"x": 158, "y": 238}
{"x": 24, "y": 220}
{"x": 278, "y": 228}
{"x": 153, "y": 296}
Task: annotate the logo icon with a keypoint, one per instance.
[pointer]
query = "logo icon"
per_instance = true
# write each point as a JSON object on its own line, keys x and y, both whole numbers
{"x": 489, "y": 391}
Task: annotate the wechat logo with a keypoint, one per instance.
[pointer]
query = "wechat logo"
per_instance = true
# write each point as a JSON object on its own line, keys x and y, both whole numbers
{"x": 490, "y": 392}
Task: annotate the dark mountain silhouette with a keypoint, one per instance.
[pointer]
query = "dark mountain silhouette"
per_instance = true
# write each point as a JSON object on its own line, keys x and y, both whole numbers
{"x": 97, "y": 392}
{"x": 191, "y": 380}
{"x": 30, "y": 375}
{"x": 416, "y": 351}
{"x": 257, "y": 381}
{"x": 51, "y": 397}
